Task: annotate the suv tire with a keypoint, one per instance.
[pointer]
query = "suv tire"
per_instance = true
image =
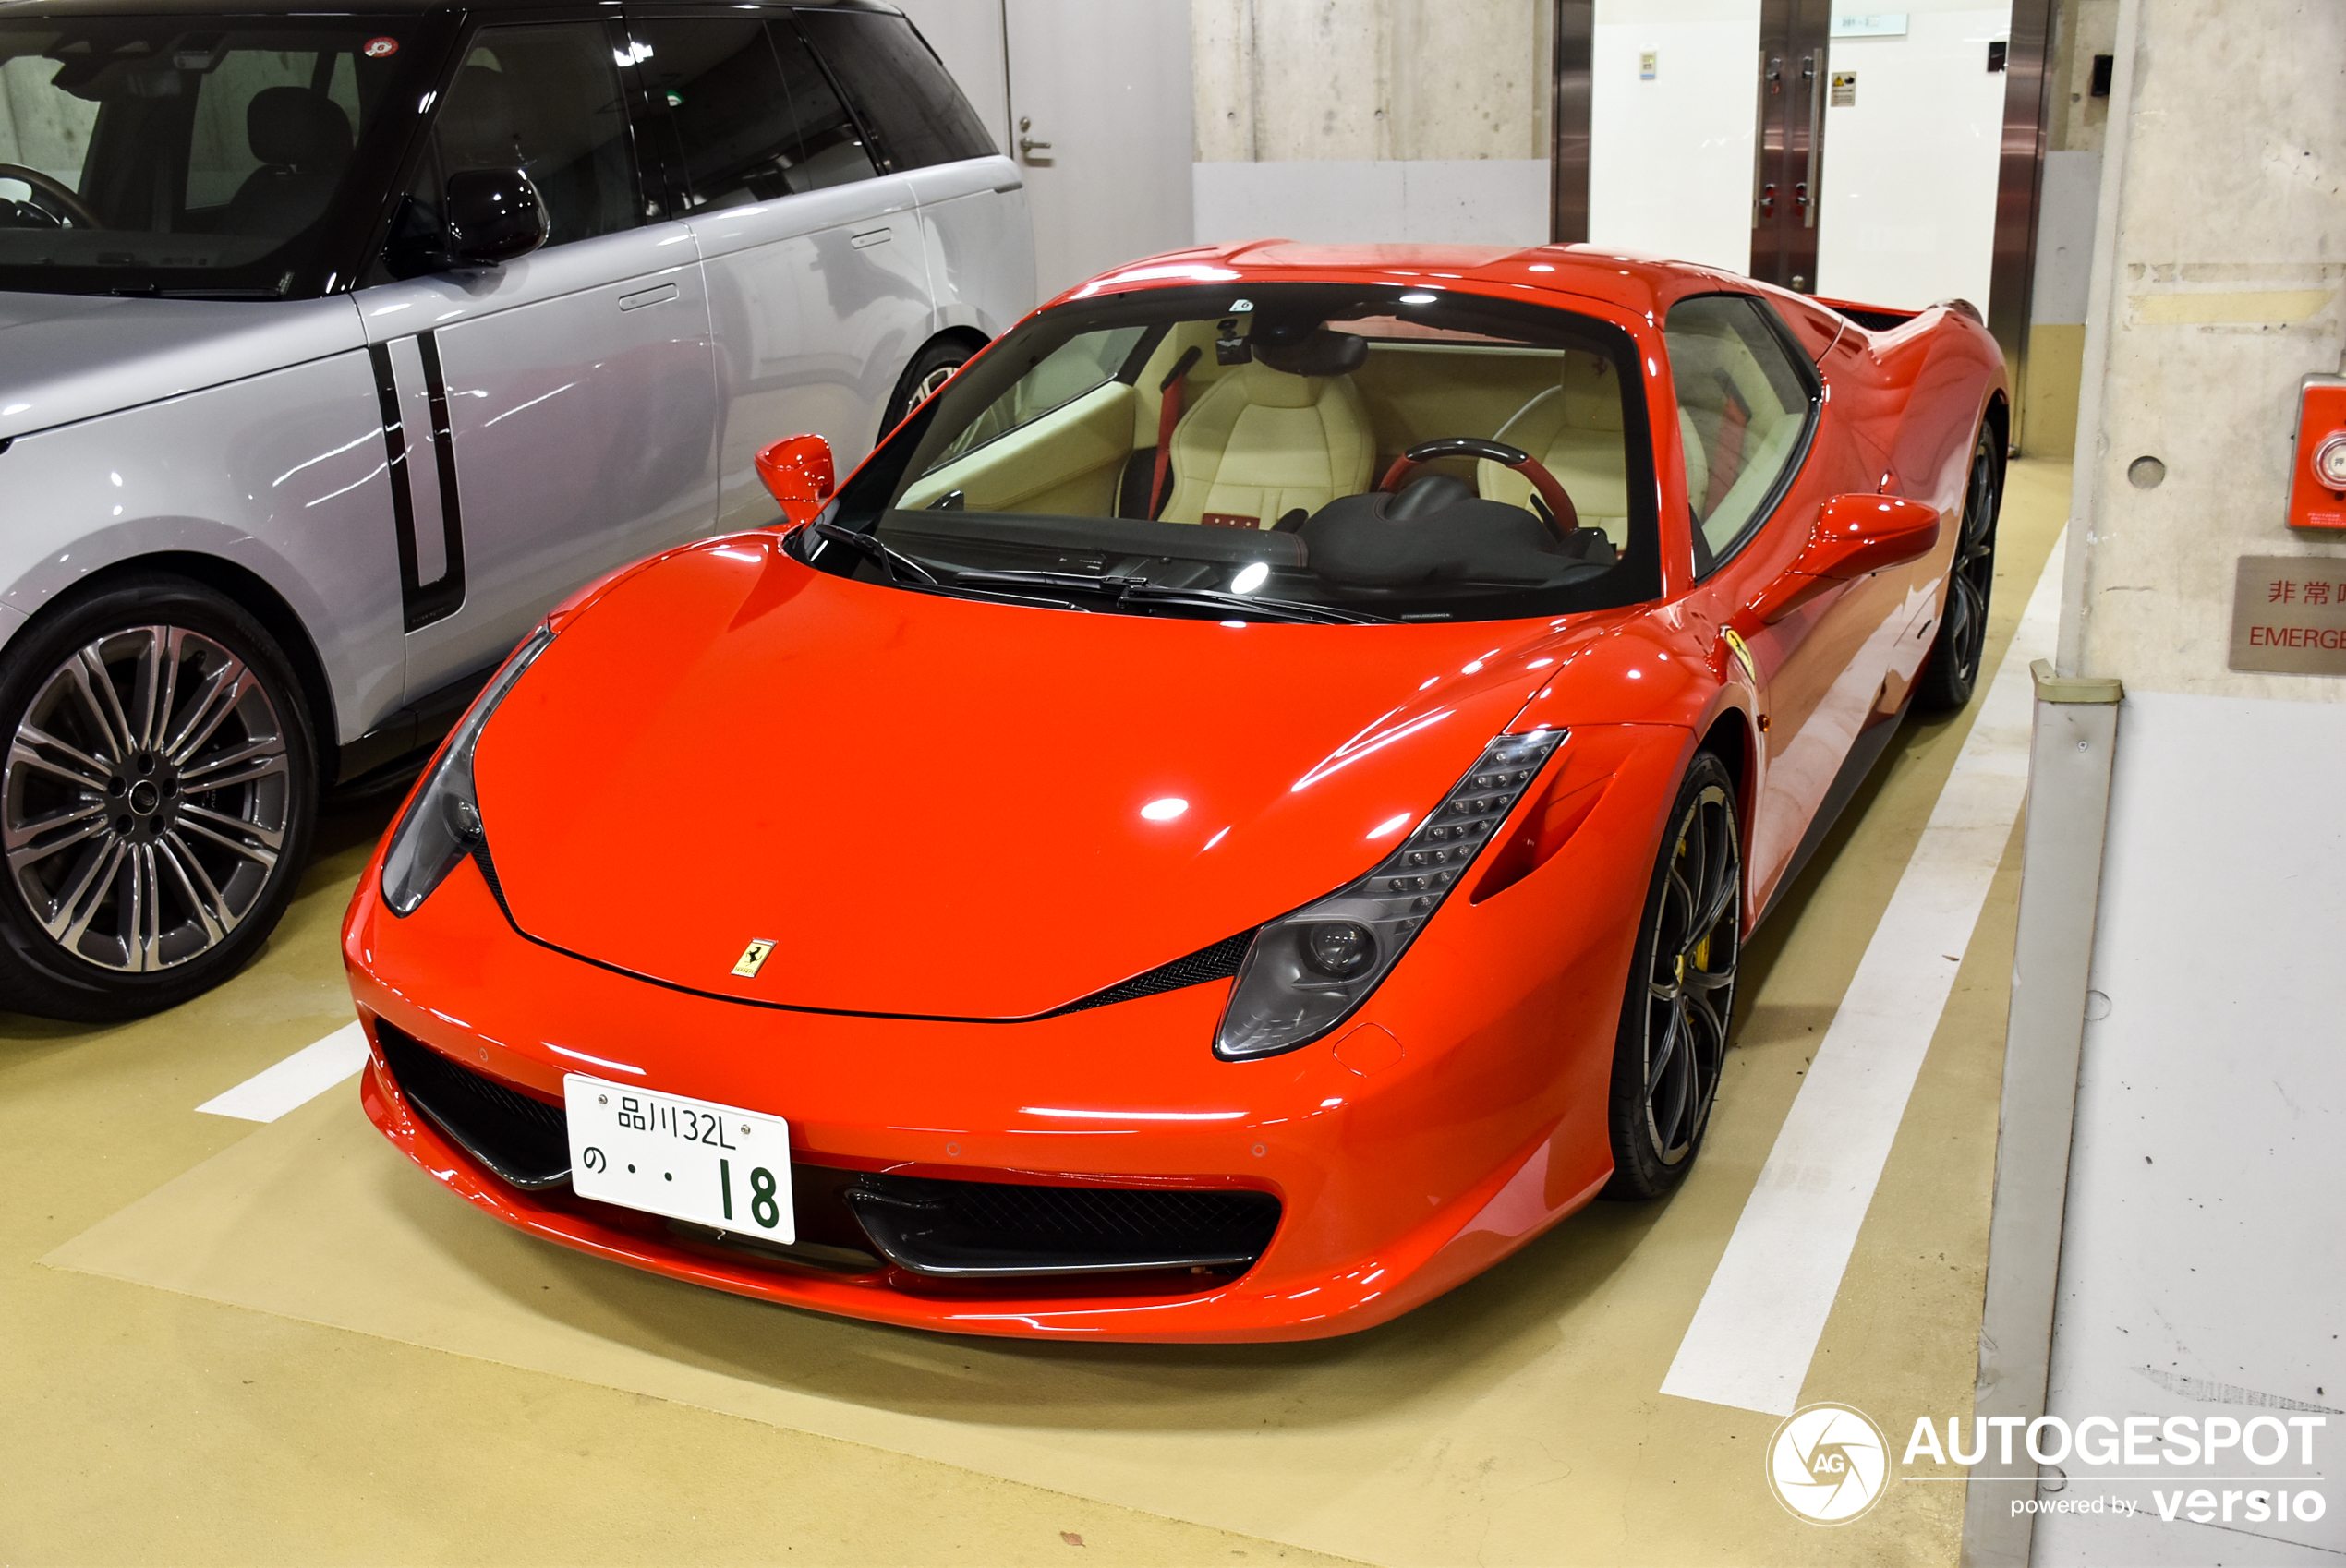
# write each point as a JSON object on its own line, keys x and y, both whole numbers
{"x": 156, "y": 799}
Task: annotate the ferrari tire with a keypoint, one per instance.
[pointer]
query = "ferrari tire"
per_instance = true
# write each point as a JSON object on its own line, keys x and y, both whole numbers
{"x": 1952, "y": 670}
{"x": 930, "y": 369}
{"x": 1673, "y": 1040}
{"x": 157, "y": 800}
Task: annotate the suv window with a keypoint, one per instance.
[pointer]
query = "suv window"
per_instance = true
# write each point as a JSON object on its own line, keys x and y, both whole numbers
{"x": 544, "y": 99}
{"x": 743, "y": 112}
{"x": 263, "y": 120}
{"x": 1742, "y": 410}
{"x": 180, "y": 155}
{"x": 899, "y": 89}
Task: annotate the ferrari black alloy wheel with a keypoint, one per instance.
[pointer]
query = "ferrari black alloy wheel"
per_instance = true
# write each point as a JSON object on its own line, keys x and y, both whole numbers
{"x": 155, "y": 805}
{"x": 930, "y": 369}
{"x": 1947, "y": 681}
{"x": 1681, "y": 987}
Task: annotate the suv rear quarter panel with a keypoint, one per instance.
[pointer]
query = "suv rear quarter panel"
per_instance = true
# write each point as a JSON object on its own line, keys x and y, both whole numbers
{"x": 981, "y": 242}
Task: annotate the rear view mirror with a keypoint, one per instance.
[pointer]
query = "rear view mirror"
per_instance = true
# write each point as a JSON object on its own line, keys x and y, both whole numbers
{"x": 1854, "y": 535}
{"x": 798, "y": 471}
{"x": 493, "y": 216}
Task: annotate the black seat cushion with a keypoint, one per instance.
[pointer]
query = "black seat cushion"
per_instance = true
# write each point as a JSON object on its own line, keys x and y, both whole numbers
{"x": 302, "y": 140}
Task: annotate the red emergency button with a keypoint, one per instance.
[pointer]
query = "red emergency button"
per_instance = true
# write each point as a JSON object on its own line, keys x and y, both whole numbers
{"x": 2317, "y": 476}
{"x": 2329, "y": 461}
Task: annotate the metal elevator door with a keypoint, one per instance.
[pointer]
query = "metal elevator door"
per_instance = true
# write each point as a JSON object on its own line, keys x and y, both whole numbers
{"x": 1788, "y": 142}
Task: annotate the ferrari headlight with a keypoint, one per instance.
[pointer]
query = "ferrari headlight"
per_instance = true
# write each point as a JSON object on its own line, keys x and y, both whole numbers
{"x": 1306, "y": 971}
{"x": 442, "y": 826}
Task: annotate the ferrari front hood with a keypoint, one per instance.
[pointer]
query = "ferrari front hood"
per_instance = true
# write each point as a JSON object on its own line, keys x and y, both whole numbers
{"x": 954, "y": 808}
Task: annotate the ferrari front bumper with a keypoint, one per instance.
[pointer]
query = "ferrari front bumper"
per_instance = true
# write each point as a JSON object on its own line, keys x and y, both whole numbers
{"x": 1458, "y": 1114}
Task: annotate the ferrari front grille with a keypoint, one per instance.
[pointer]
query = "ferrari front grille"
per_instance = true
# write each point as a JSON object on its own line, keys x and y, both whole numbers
{"x": 522, "y": 1140}
{"x": 996, "y": 1230}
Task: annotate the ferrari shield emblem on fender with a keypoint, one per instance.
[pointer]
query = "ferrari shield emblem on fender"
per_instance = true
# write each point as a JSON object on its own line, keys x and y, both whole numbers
{"x": 1742, "y": 654}
{"x": 753, "y": 958}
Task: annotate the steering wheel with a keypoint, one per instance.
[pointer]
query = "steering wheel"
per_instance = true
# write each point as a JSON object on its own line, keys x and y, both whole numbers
{"x": 55, "y": 192}
{"x": 1562, "y": 516}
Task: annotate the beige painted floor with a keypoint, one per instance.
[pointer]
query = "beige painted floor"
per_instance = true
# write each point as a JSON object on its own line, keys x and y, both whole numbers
{"x": 282, "y": 1344}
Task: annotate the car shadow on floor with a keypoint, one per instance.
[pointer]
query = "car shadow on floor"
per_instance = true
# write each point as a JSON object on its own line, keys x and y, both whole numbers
{"x": 1482, "y": 1333}
{"x": 1765, "y": 946}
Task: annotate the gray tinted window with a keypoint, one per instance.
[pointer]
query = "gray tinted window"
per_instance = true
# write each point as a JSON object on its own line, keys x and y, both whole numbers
{"x": 181, "y": 155}
{"x": 1742, "y": 410}
{"x": 543, "y": 99}
{"x": 832, "y": 144}
{"x": 899, "y": 89}
{"x": 734, "y": 120}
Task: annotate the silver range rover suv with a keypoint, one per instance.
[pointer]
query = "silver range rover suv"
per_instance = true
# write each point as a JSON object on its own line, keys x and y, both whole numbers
{"x": 337, "y": 345}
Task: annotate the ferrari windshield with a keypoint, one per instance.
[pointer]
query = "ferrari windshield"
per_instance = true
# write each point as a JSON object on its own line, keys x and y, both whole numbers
{"x": 1317, "y": 452}
{"x": 180, "y": 154}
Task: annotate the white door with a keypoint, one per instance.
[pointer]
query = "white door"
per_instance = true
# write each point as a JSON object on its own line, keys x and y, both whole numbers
{"x": 1913, "y": 133}
{"x": 1100, "y": 127}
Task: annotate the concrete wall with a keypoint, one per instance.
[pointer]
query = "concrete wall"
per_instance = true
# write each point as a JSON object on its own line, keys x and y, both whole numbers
{"x": 38, "y": 128}
{"x": 2219, "y": 251}
{"x": 2211, "y": 1102}
{"x": 1371, "y": 119}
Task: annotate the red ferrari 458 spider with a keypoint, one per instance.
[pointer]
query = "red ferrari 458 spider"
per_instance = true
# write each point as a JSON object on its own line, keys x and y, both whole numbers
{"x": 1241, "y": 812}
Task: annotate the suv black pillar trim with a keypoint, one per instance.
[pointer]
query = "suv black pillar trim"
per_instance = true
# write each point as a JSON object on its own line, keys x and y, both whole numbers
{"x": 444, "y": 596}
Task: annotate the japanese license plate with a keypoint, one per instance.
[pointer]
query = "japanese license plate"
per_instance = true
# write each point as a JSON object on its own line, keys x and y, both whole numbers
{"x": 715, "y": 1165}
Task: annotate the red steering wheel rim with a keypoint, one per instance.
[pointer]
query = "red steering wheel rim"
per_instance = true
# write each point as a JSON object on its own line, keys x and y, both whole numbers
{"x": 1566, "y": 517}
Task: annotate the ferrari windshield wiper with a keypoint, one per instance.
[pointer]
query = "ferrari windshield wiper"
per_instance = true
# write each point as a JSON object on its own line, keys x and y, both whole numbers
{"x": 1127, "y": 590}
{"x": 1266, "y": 609}
{"x": 895, "y": 562}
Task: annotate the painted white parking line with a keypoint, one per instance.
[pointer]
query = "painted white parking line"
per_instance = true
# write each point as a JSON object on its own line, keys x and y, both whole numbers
{"x": 1756, "y": 1328}
{"x": 296, "y": 1080}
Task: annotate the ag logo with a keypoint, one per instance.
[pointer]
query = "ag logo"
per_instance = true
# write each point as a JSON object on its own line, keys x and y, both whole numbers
{"x": 1827, "y": 1463}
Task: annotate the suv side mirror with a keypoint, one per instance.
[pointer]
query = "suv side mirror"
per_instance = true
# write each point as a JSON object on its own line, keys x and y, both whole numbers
{"x": 799, "y": 472}
{"x": 1854, "y": 535}
{"x": 493, "y": 216}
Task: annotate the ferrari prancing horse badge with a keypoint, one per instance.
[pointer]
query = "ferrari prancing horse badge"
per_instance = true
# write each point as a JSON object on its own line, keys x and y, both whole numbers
{"x": 753, "y": 958}
{"x": 1742, "y": 654}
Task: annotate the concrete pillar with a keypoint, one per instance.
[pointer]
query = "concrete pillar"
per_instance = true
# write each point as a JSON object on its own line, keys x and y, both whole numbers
{"x": 2205, "y": 1076}
{"x": 2219, "y": 252}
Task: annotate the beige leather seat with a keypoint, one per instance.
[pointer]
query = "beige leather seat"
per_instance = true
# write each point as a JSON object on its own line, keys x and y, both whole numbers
{"x": 1574, "y": 428}
{"x": 1260, "y": 443}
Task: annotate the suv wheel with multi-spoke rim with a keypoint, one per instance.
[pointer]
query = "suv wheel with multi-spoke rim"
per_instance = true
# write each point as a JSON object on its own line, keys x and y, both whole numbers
{"x": 156, "y": 803}
{"x": 1673, "y": 1042}
{"x": 1947, "y": 681}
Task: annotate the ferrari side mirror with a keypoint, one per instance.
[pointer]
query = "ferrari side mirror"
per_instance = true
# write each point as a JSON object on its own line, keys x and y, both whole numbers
{"x": 494, "y": 216}
{"x": 1854, "y": 535}
{"x": 798, "y": 471}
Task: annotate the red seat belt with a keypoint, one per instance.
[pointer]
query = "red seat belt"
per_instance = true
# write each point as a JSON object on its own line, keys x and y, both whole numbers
{"x": 1168, "y": 414}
